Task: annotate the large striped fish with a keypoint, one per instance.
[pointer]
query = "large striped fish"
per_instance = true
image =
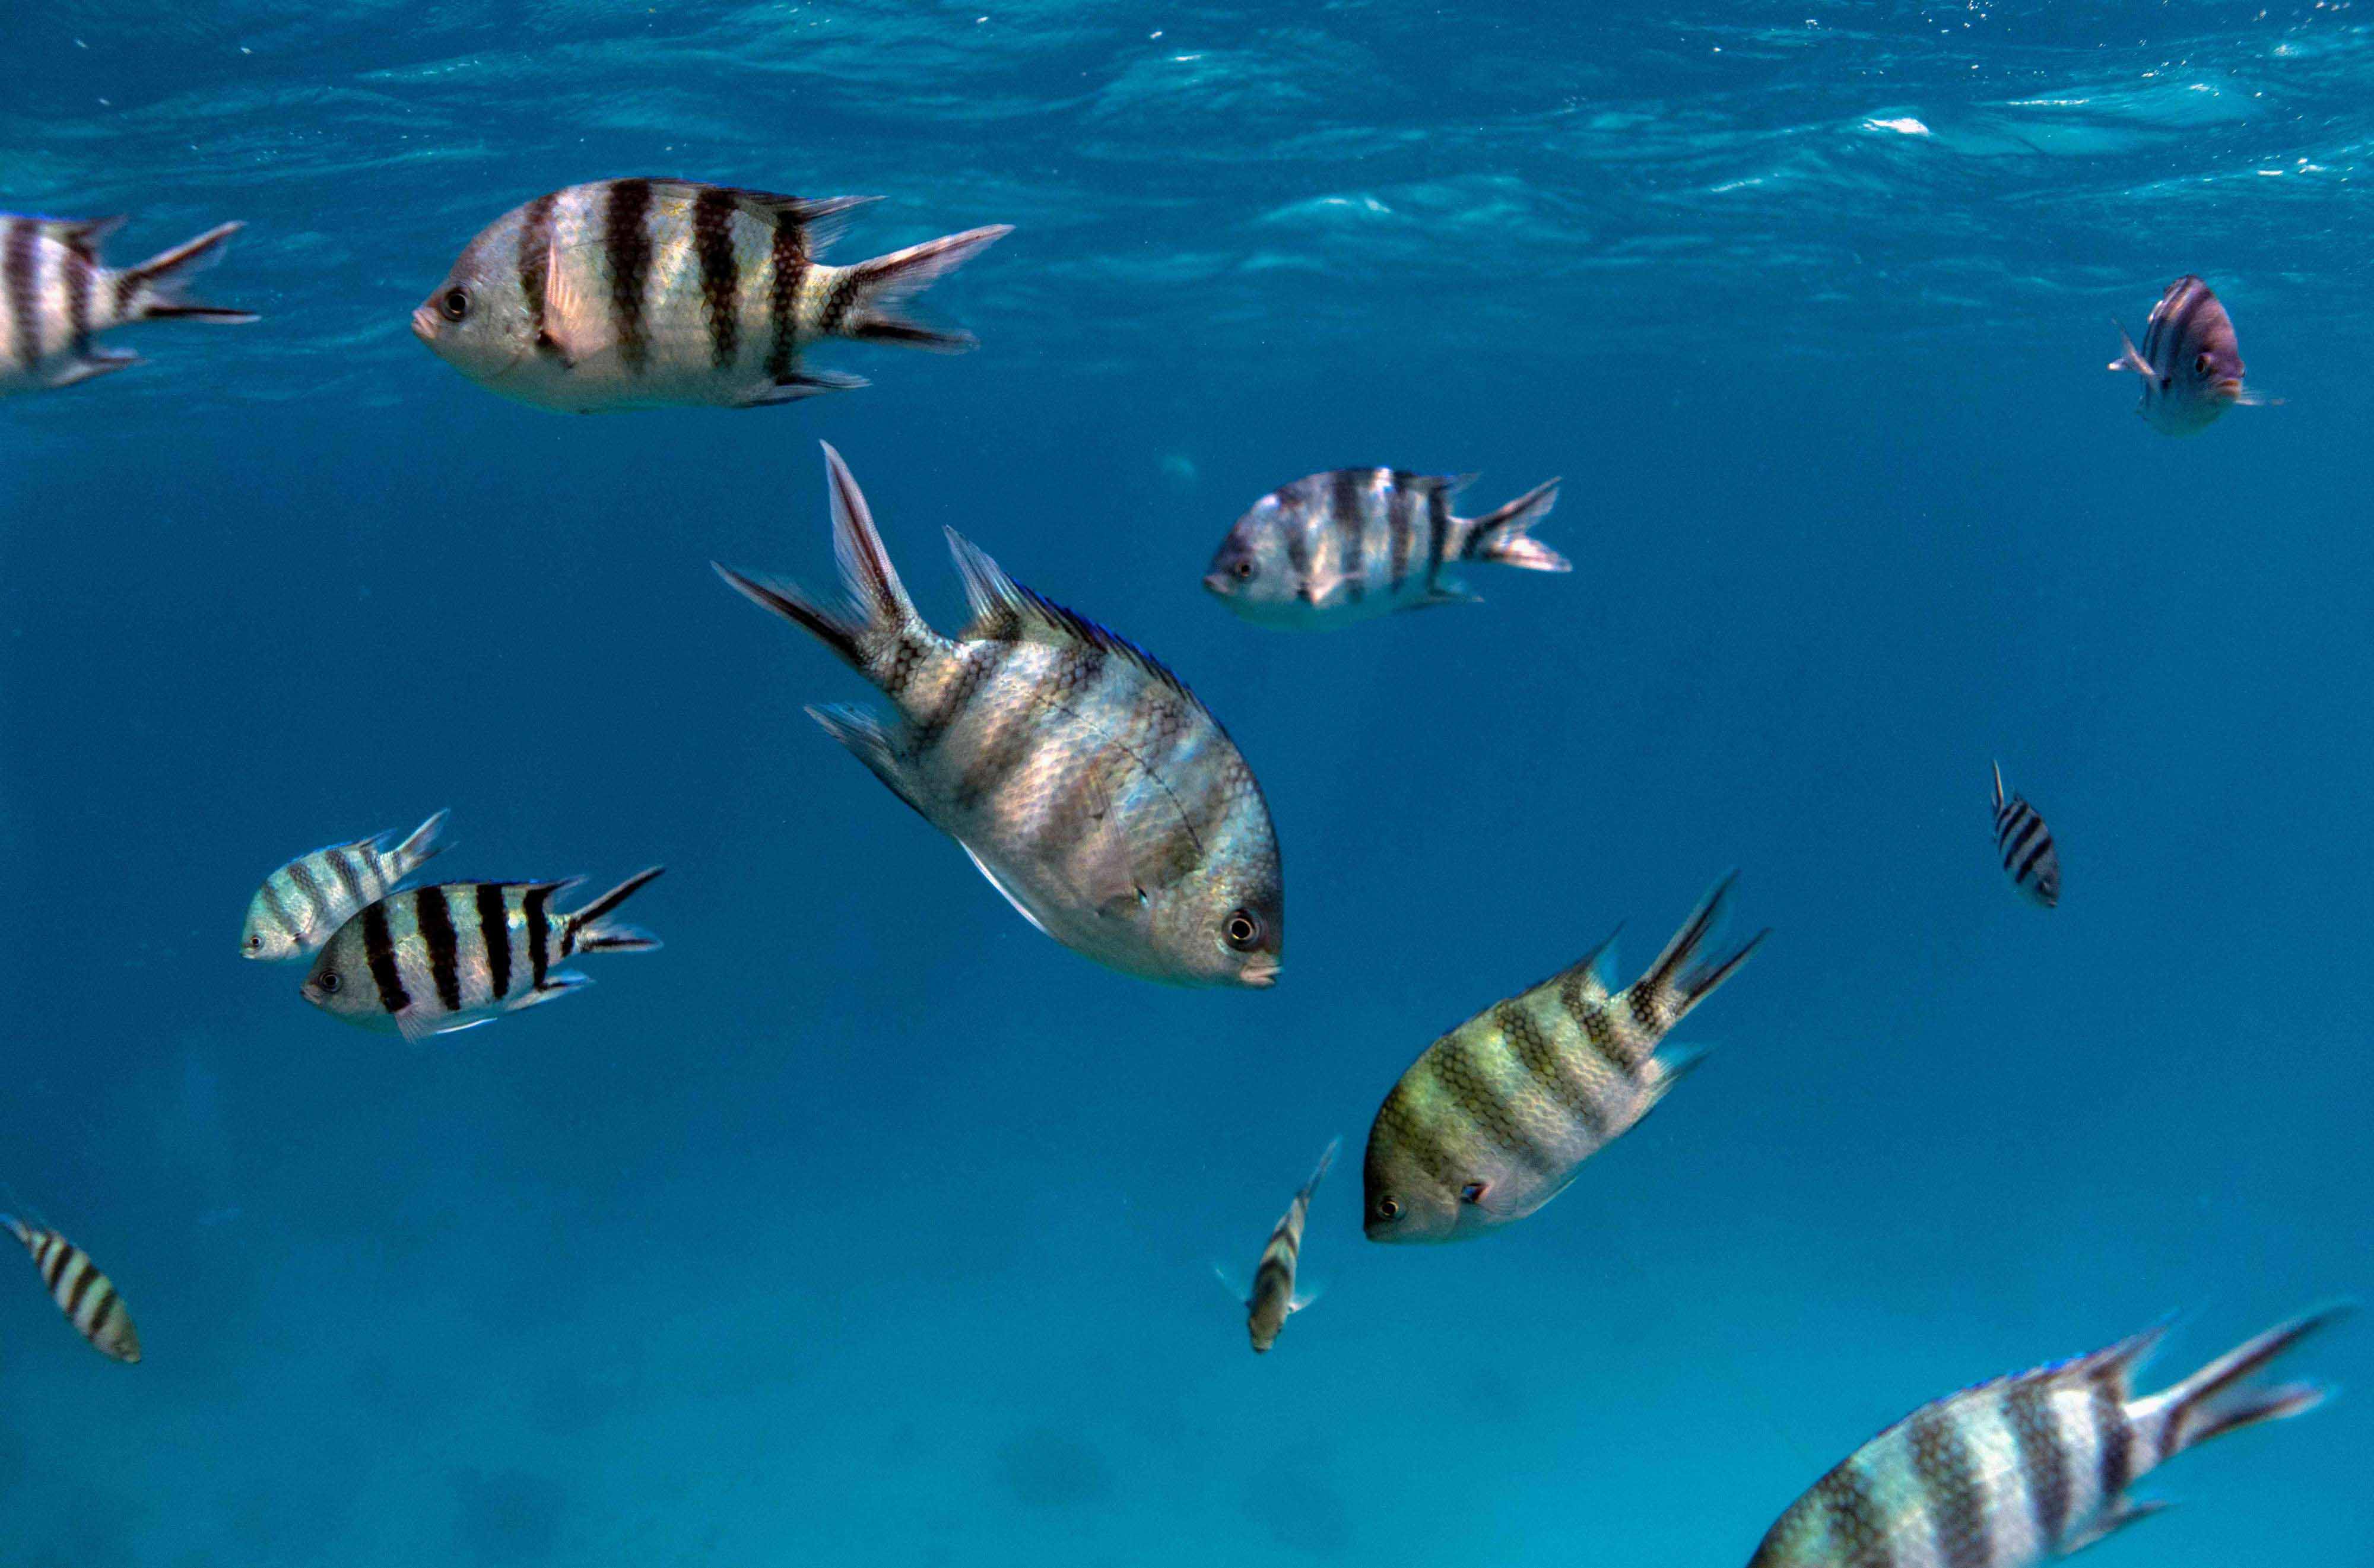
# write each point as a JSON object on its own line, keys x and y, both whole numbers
{"x": 56, "y": 296}
{"x": 639, "y": 293}
{"x": 2026, "y": 1467}
{"x": 2189, "y": 362}
{"x": 1084, "y": 779}
{"x": 1346, "y": 546}
{"x": 1271, "y": 1298}
{"x": 301, "y": 905}
{"x": 82, "y": 1292}
{"x": 1495, "y": 1118}
{"x": 458, "y": 954}
{"x": 2026, "y": 846}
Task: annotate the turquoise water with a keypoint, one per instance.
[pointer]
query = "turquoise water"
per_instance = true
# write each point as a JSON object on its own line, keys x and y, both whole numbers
{"x": 864, "y": 1225}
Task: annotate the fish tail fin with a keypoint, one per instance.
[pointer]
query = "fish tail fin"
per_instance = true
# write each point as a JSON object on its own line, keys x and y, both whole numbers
{"x": 420, "y": 845}
{"x": 1500, "y": 535}
{"x": 2220, "y": 1397}
{"x": 152, "y": 291}
{"x": 878, "y": 610}
{"x": 2129, "y": 356}
{"x": 1999, "y": 794}
{"x": 585, "y": 930}
{"x": 1318, "y": 1172}
{"x": 1681, "y": 979}
{"x": 868, "y": 296}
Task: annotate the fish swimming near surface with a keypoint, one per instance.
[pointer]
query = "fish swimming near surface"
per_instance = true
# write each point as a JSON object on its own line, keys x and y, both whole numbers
{"x": 642, "y": 293}
{"x": 82, "y": 1292}
{"x": 450, "y": 957}
{"x": 1271, "y": 1298}
{"x": 2029, "y": 1468}
{"x": 1358, "y": 543}
{"x": 2191, "y": 365}
{"x": 1084, "y": 779}
{"x": 56, "y": 296}
{"x": 1494, "y": 1119}
{"x": 303, "y": 903}
{"x": 2026, "y": 846}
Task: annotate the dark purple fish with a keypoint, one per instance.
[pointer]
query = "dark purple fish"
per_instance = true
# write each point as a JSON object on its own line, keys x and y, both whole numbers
{"x": 2192, "y": 368}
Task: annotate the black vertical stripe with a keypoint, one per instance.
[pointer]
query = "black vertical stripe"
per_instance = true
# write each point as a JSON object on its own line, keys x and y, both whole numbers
{"x": 20, "y": 281}
{"x": 1349, "y": 514}
{"x": 839, "y": 303}
{"x": 1957, "y": 1496}
{"x": 1857, "y": 1528}
{"x": 535, "y": 259}
{"x": 55, "y": 1264}
{"x": 2029, "y": 827}
{"x": 379, "y": 952}
{"x": 2113, "y": 1439}
{"x": 430, "y": 912}
{"x": 495, "y": 931}
{"x": 790, "y": 254}
{"x": 721, "y": 280}
{"x": 72, "y": 1300}
{"x": 345, "y": 870}
{"x": 1437, "y": 531}
{"x": 539, "y": 936}
{"x": 79, "y": 276}
{"x": 2042, "y": 1463}
{"x": 628, "y": 244}
{"x": 1403, "y": 535}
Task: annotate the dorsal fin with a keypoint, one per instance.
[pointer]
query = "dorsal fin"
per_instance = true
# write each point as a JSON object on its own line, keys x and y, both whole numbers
{"x": 822, "y": 219}
{"x": 81, "y": 235}
{"x": 1005, "y": 611}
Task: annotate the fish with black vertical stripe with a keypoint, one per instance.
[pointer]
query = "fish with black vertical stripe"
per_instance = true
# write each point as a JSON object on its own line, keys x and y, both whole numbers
{"x": 2027, "y": 1468}
{"x": 56, "y": 297}
{"x": 82, "y": 1292}
{"x": 1494, "y": 1119}
{"x": 2025, "y": 845}
{"x": 2191, "y": 364}
{"x": 303, "y": 903}
{"x": 644, "y": 293}
{"x": 1271, "y": 1298}
{"x": 1084, "y": 779}
{"x": 434, "y": 960}
{"x": 1357, "y": 543}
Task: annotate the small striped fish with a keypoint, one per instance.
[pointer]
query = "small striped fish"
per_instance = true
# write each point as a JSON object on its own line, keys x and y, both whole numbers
{"x": 1495, "y": 1118}
{"x": 1084, "y": 779}
{"x": 2026, "y": 846}
{"x": 1357, "y": 543}
{"x": 82, "y": 1292}
{"x": 55, "y": 296}
{"x": 439, "y": 958}
{"x": 2189, "y": 362}
{"x": 2026, "y": 1467}
{"x": 301, "y": 905}
{"x": 1272, "y": 1300}
{"x": 642, "y": 293}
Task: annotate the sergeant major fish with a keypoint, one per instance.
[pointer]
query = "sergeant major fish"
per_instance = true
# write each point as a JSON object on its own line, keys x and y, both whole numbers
{"x": 1357, "y": 543}
{"x": 1494, "y": 1119}
{"x": 301, "y": 905}
{"x": 2026, "y": 1467}
{"x": 639, "y": 293}
{"x": 2189, "y": 362}
{"x": 1084, "y": 779}
{"x": 56, "y": 296}
{"x": 2026, "y": 846}
{"x": 82, "y": 1292}
{"x": 1271, "y": 1298}
{"x": 458, "y": 954}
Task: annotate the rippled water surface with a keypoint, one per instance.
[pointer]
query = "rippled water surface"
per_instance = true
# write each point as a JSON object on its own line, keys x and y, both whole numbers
{"x": 864, "y": 1225}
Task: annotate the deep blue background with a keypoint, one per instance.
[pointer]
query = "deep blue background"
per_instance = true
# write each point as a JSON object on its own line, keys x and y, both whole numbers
{"x": 864, "y": 1225}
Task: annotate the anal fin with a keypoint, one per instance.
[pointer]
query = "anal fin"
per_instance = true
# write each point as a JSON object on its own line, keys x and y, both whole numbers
{"x": 96, "y": 363}
{"x": 799, "y": 384}
{"x": 870, "y": 741}
{"x": 2109, "y": 1522}
{"x": 1008, "y": 893}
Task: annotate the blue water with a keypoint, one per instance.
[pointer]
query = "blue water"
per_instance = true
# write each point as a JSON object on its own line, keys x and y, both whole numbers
{"x": 862, "y": 1225}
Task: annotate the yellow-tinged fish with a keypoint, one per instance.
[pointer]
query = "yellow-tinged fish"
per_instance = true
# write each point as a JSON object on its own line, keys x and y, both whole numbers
{"x": 1271, "y": 1298}
{"x": 82, "y": 1292}
{"x": 1493, "y": 1120}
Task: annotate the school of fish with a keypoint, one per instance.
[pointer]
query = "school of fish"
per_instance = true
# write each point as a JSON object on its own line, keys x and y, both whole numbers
{"x": 1110, "y": 807}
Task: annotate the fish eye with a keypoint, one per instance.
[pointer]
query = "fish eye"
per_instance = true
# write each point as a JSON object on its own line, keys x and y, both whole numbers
{"x": 255, "y": 944}
{"x": 2203, "y": 364}
{"x": 1244, "y": 571}
{"x": 328, "y": 982}
{"x": 454, "y": 304}
{"x": 1243, "y": 930}
{"x": 1389, "y": 1209}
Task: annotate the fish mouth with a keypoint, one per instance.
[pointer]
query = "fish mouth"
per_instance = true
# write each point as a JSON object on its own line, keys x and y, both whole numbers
{"x": 1261, "y": 973}
{"x": 2228, "y": 388}
{"x": 424, "y": 325}
{"x": 1217, "y": 583}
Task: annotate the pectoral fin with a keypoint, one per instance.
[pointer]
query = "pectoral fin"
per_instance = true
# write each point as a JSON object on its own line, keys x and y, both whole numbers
{"x": 572, "y": 332}
{"x": 2129, "y": 356}
{"x": 1008, "y": 893}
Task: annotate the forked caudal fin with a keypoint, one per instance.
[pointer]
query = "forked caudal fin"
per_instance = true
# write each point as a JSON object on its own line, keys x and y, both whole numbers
{"x": 152, "y": 291}
{"x": 2220, "y": 1397}
{"x": 585, "y": 930}
{"x": 865, "y": 300}
{"x": 1500, "y": 535}
{"x": 420, "y": 844}
{"x": 877, "y": 610}
{"x": 1679, "y": 981}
